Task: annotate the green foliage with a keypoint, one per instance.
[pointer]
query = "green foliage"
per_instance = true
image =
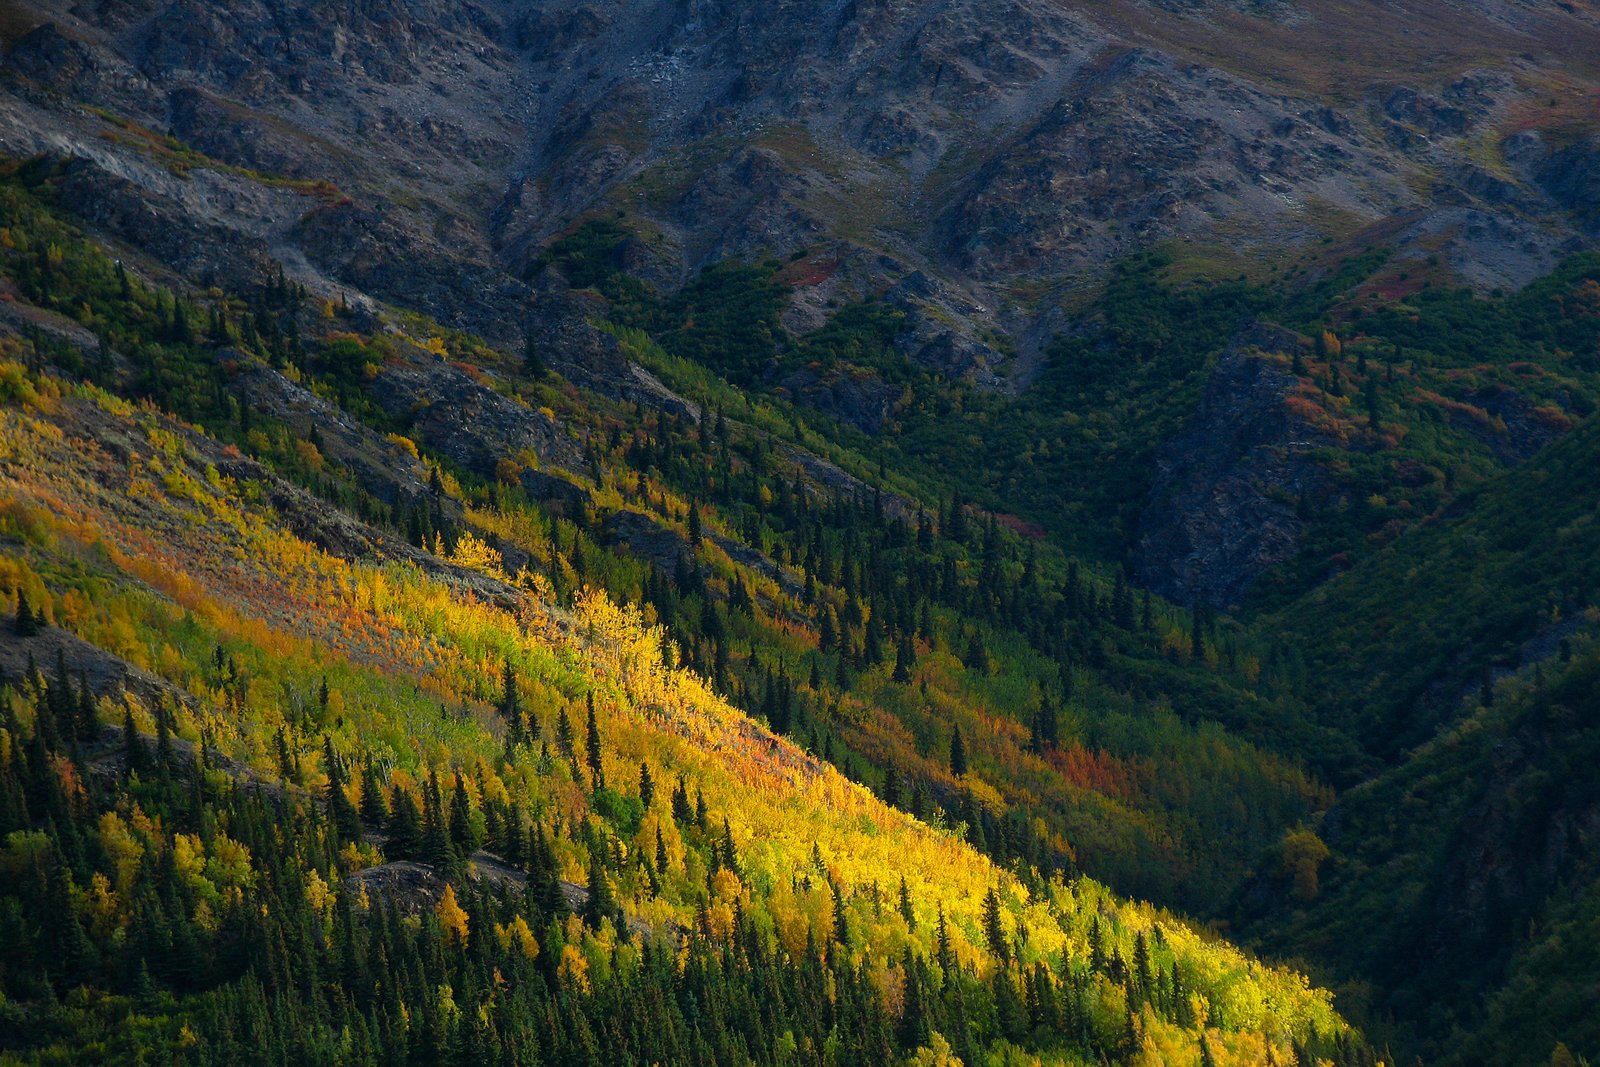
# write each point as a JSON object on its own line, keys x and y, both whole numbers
{"x": 590, "y": 259}
{"x": 157, "y": 905}
{"x": 725, "y": 319}
{"x": 1172, "y": 758}
{"x": 1453, "y": 601}
{"x": 1470, "y": 932}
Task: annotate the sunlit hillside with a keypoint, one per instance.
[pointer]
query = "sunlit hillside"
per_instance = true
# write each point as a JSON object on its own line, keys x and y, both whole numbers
{"x": 262, "y": 636}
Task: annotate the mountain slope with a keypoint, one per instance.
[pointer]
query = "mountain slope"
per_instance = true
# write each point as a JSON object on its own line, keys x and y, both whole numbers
{"x": 158, "y": 544}
{"x": 1466, "y": 920}
{"x": 988, "y": 149}
{"x": 1406, "y": 639}
{"x": 934, "y": 375}
{"x": 1455, "y": 887}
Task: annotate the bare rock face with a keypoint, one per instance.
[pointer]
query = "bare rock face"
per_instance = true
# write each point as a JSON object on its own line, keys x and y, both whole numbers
{"x": 1520, "y": 429}
{"x": 377, "y": 465}
{"x": 82, "y": 70}
{"x": 1223, "y": 508}
{"x": 855, "y": 398}
{"x": 466, "y": 421}
{"x": 105, "y": 673}
{"x": 1571, "y": 176}
{"x": 962, "y": 161}
{"x": 232, "y": 133}
{"x": 974, "y": 145}
{"x": 1143, "y": 148}
{"x": 186, "y": 228}
{"x": 561, "y": 328}
{"x": 750, "y": 206}
{"x": 369, "y": 250}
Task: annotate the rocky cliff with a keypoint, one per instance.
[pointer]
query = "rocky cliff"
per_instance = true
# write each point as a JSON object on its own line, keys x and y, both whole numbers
{"x": 423, "y": 153}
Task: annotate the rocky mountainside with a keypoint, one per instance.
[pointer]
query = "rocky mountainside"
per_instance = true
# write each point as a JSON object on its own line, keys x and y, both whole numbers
{"x": 1002, "y": 152}
{"x": 977, "y": 168}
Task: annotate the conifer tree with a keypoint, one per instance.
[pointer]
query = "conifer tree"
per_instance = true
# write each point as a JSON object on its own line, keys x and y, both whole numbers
{"x": 1097, "y": 947}
{"x": 597, "y": 778}
{"x": 135, "y": 756}
{"x": 1010, "y": 1019}
{"x": 904, "y": 660}
{"x": 544, "y": 882}
{"x": 1122, "y": 603}
{"x": 872, "y": 644}
{"x": 905, "y": 905}
{"x": 730, "y": 859}
{"x": 1045, "y": 729}
{"x": 828, "y": 630}
{"x": 564, "y": 737}
{"x": 891, "y": 786}
{"x": 532, "y": 360}
{"x": 163, "y": 716}
{"x": 841, "y": 921}
{"x": 977, "y": 657}
{"x": 944, "y": 952}
{"x": 682, "y": 810}
{"x": 915, "y": 1028}
{"x": 26, "y": 623}
{"x": 404, "y": 827}
{"x": 1143, "y": 977}
{"x": 511, "y": 708}
{"x": 88, "y": 716}
{"x": 464, "y": 836}
{"x": 958, "y": 753}
{"x": 600, "y": 905}
{"x": 1182, "y": 1006}
{"x": 346, "y": 822}
{"x": 374, "y": 810}
{"x": 994, "y": 927}
{"x": 436, "y": 849}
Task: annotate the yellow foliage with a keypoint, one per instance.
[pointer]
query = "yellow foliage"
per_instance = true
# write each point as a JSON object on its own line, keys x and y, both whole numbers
{"x": 402, "y": 642}
{"x": 984, "y": 793}
{"x": 726, "y": 885}
{"x": 229, "y": 863}
{"x": 507, "y": 471}
{"x": 122, "y": 849}
{"x": 517, "y": 934}
{"x": 318, "y": 895}
{"x": 574, "y": 968}
{"x": 404, "y": 444}
{"x": 189, "y": 857}
{"x": 452, "y": 917}
{"x": 358, "y": 857}
{"x": 1299, "y": 855}
{"x": 476, "y": 554}
{"x": 936, "y": 1053}
{"x": 17, "y": 386}
{"x": 104, "y": 907}
{"x": 308, "y": 455}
